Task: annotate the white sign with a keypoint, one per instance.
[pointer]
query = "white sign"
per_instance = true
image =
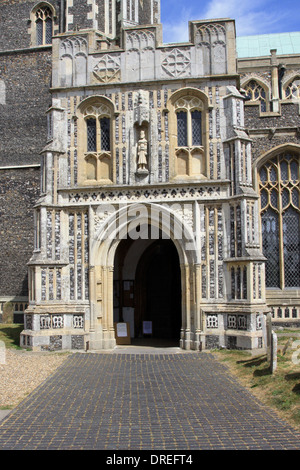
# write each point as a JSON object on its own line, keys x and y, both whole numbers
{"x": 122, "y": 330}
{"x": 147, "y": 327}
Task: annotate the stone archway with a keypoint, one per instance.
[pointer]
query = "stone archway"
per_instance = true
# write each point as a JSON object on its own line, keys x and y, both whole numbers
{"x": 116, "y": 228}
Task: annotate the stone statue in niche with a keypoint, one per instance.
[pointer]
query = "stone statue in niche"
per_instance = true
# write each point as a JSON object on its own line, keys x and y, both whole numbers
{"x": 142, "y": 164}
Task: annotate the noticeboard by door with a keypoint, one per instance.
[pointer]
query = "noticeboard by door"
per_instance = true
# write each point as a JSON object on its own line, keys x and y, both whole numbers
{"x": 122, "y": 333}
{"x": 147, "y": 327}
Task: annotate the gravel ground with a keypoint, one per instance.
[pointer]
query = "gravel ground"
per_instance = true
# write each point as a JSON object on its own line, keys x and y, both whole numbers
{"x": 23, "y": 371}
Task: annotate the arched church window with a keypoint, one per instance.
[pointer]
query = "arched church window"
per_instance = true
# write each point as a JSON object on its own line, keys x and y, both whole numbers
{"x": 190, "y": 159}
{"x": 292, "y": 90}
{"x": 280, "y": 220}
{"x": 189, "y": 131}
{"x": 257, "y": 94}
{"x": 44, "y": 25}
{"x": 96, "y": 146}
{"x": 95, "y": 128}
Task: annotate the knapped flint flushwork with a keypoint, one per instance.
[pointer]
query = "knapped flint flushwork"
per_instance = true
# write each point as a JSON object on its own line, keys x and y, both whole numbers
{"x": 23, "y": 121}
{"x": 16, "y": 23}
{"x": 19, "y": 190}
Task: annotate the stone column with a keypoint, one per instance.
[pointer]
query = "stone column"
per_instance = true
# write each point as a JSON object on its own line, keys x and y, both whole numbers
{"x": 186, "y": 307}
{"x": 111, "y": 341}
{"x": 197, "y": 319}
{"x": 274, "y": 74}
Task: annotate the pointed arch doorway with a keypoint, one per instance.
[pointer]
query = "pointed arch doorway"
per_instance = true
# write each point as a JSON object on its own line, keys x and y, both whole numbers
{"x": 148, "y": 276}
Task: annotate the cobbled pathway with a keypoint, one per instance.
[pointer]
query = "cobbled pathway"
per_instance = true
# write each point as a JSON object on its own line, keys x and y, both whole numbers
{"x": 143, "y": 401}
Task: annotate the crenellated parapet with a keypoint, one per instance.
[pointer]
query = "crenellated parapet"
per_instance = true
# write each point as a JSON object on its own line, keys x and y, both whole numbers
{"x": 143, "y": 56}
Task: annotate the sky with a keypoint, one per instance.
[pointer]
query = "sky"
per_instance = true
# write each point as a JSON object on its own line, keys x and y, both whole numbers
{"x": 251, "y": 17}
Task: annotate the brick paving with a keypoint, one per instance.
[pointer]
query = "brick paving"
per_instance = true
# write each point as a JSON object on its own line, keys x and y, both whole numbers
{"x": 162, "y": 401}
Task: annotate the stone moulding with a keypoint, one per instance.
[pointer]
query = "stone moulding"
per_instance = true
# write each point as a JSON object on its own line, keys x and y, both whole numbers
{"x": 146, "y": 194}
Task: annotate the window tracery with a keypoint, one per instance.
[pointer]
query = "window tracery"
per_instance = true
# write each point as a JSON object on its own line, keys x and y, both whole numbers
{"x": 189, "y": 150}
{"x": 44, "y": 25}
{"x": 280, "y": 219}
{"x": 292, "y": 90}
{"x": 97, "y": 122}
{"x": 257, "y": 94}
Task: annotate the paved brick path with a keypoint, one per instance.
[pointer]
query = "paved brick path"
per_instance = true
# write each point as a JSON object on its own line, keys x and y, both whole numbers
{"x": 143, "y": 401}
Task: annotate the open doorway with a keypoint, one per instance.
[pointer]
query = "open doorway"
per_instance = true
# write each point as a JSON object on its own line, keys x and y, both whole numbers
{"x": 147, "y": 288}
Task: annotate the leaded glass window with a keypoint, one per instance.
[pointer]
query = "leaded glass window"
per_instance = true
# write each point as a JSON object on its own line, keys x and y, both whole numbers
{"x": 256, "y": 93}
{"x": 280, "y": 219}
{"x": 48, "y": 35}
{"x": 105, "y": 134}
{"x": 182, "y": 129}
{"x": 44, "y": 26}
{"x": 39, "y": 32}
{"x": 97, "y": 145}
{"x": 270, "y": 230}
{"x": 196, "y": 128}
{"x": 292, "y": 91}
{"x": 190, "y": 156}
{"x": 291, "y": 247}
{"x": 91, "y": 135}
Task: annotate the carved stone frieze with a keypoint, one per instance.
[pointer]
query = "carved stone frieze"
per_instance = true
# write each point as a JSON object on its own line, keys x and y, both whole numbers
{"x": 146, "y": 194}
{"x": 73, "y": 46}
{"x": 177, "y": 63}
{"x": 108, "y": 68}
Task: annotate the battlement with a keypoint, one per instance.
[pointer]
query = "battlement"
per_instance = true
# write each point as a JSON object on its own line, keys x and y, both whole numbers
{"x": 85, "y": 58}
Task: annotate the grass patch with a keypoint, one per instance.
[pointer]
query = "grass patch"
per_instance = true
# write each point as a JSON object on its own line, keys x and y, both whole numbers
{"x": 10, "y": 334}
{"x": 280, "y": 390}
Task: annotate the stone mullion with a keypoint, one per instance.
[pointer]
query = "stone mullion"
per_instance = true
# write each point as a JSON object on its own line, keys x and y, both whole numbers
{"x": 105, "y": 302}
{"x": 186, "y": 305}
{"x": 98, "y": 148}
{"x": 280, "y": 228}
{"x": 113, "y": 149}
{"x": 109, "y": 289}
{"x": 93, "y": 298}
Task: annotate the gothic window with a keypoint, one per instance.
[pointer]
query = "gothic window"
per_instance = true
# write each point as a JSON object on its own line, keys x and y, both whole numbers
{"x": 280, "y": 220}
{"x": 98, "y": 127}
{"x": 105, "y": 133}
{"x": 292, "y": 90}
{"x": 91, "y": 126}
{"x": 257, "y": 94}
{"x": 190, "y": 158}
{"x": 44, "y": 25}
{"x": 96, "y": 146}
{"x": 189, "y": 131}
{"x": 182, "y": 129}
{"x": 196, "y": 128}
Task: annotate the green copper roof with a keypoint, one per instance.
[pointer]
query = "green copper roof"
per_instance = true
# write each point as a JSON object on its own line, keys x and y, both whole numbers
{"x": 260, "y": 45}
